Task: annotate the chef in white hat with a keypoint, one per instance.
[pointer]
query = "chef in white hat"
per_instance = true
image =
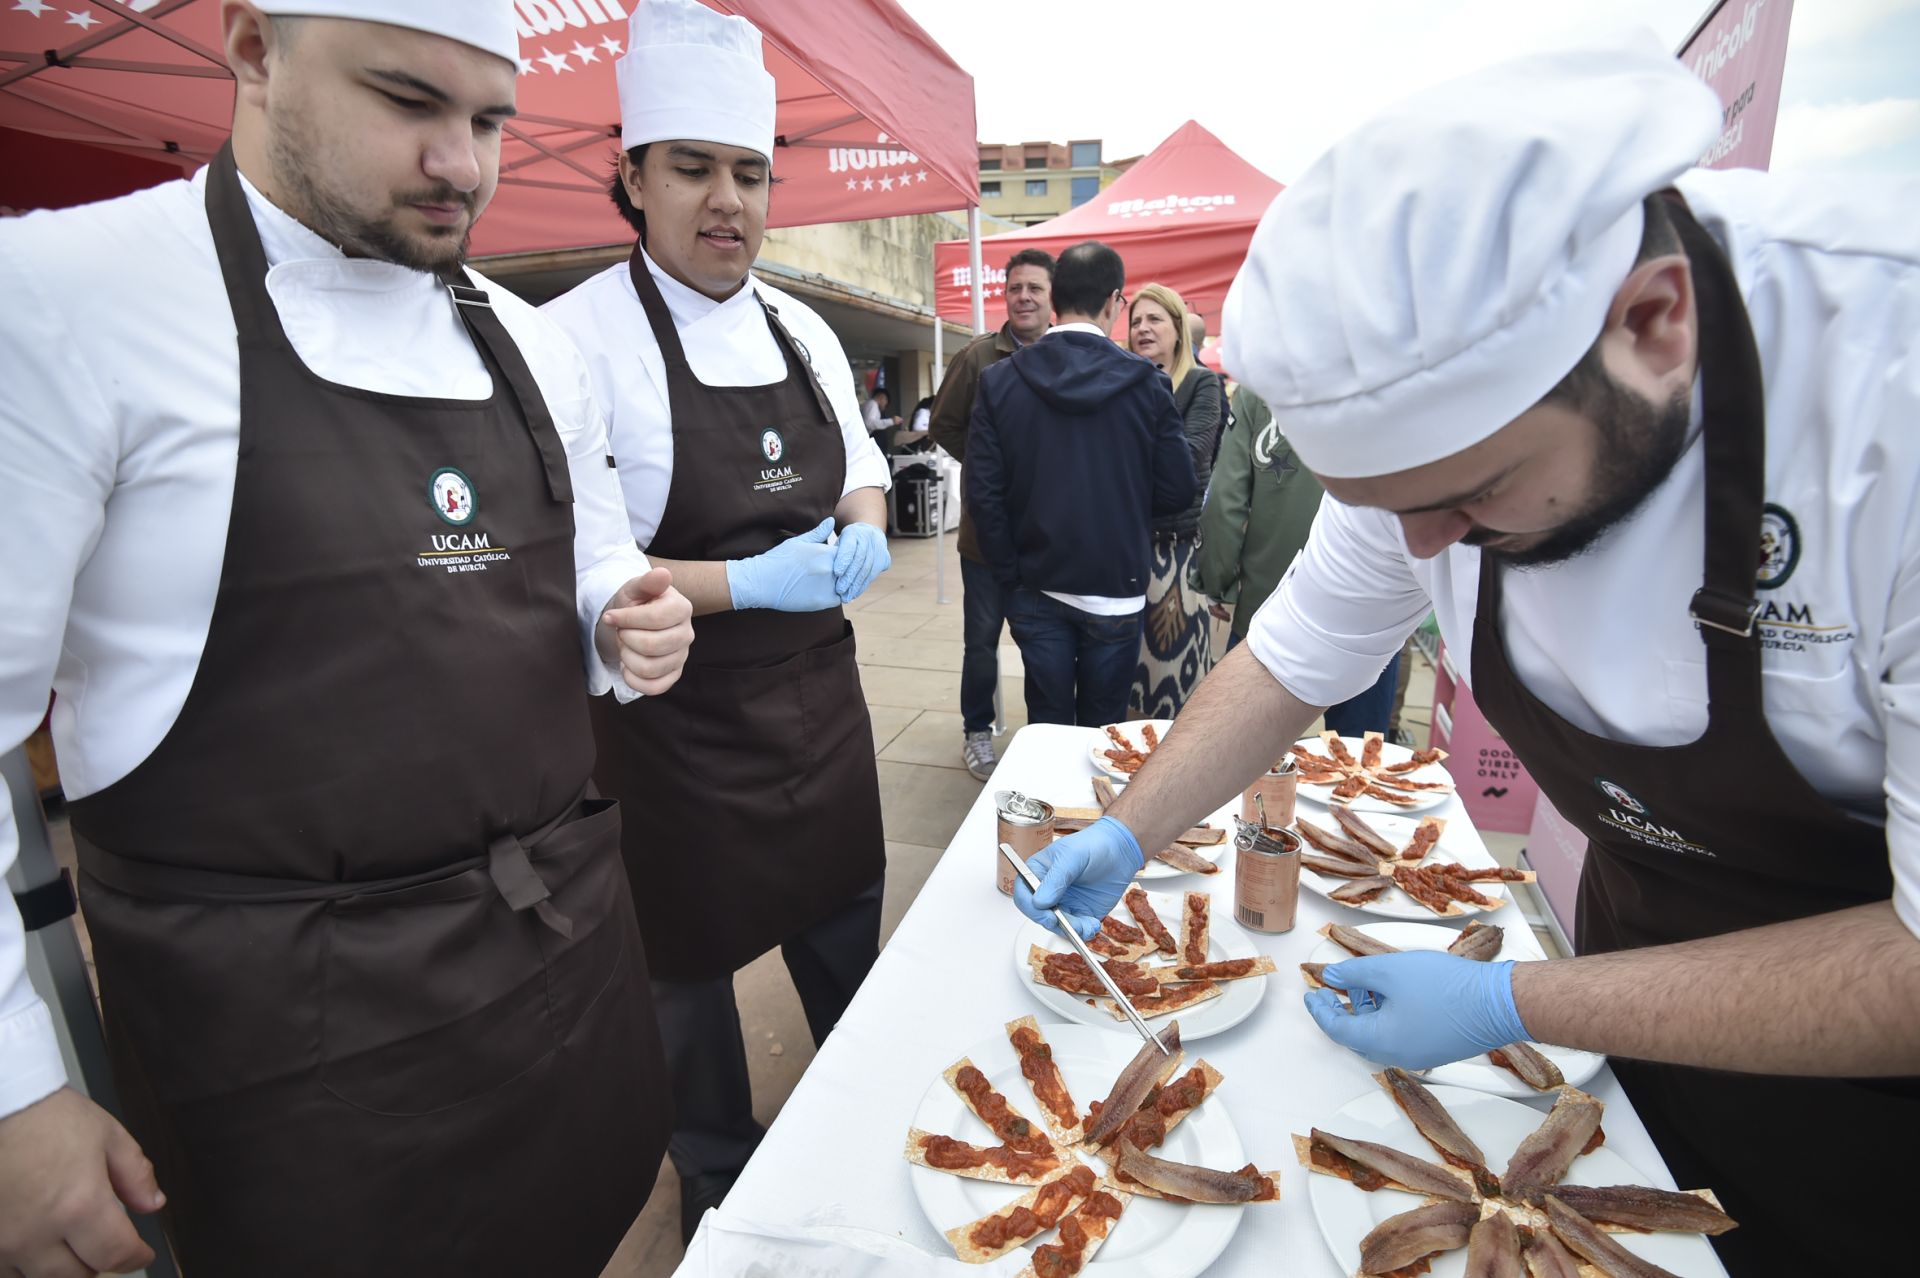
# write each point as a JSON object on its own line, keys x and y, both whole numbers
{"x": 311, "y": 532}
{"x": 1643, "y": 439}
{"x": 748, "y": 471}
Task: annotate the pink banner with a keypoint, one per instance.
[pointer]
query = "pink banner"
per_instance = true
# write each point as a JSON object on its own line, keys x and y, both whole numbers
{"x": 1740, "y": 50}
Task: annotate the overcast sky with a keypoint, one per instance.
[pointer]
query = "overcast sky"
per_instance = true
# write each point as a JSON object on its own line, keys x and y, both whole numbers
{"x": 1278, "y": 80}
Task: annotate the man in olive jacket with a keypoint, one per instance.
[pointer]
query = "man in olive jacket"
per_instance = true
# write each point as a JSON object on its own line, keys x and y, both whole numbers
{"x": 1029, "y": 288}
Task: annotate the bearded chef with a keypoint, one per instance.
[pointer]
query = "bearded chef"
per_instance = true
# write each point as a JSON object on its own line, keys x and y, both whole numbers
{"x": 1570, "y": 395}
{"x": 312, "y": 533}
{"x": 741, "y": 451}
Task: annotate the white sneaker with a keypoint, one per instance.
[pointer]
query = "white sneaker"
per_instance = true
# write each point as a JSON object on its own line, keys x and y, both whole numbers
{"x": 981, "y": 760}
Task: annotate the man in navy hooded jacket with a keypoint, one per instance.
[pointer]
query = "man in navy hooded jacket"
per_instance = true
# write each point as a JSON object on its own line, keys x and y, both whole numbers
{"x": 1074, "y": 447}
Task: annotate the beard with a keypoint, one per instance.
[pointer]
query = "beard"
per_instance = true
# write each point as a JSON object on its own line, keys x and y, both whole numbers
{"x": 290, "y": 150}
{"x": 1640, "y": 442}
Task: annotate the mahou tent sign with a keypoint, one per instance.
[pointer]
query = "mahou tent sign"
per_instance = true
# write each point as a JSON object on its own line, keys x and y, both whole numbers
{"x": 1182, "y": 216}
{"x": 1740, "y": 49}
{"x": 874, "y": 119}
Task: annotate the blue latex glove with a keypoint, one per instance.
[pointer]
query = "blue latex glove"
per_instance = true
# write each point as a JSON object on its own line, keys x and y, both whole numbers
{"x": 860, "y": 556}
{"x": 1084, "y": 874}
{"x": 1418, "y": 1009}
{"x": 795, "y": 576}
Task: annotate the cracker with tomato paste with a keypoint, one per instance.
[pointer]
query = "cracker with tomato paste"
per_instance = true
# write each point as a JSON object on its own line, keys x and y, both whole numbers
{"x": 1170, "y": 999}
{"x": 1025, "y": 1218}
{"x": 998, "y": 1163}
{"x": 1082, "y": 1231}
{"x": 1045, "y": 1081}
{"x": 978, "y": 1093}
{"x": 1193, "y": 927}
{"x": 1218, "y": 970}
{"x": 1164, "y": 1109}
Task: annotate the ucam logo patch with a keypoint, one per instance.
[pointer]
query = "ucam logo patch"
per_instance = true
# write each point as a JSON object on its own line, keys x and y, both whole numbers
{"x": 1779, "y": 547}
{"x": 772, "y": 446}
{"x": 1620, "y": 796}
{"x": 453, "y": 496}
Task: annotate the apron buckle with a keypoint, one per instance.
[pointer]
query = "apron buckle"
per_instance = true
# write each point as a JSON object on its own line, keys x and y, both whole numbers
{"x": 465, "y": 296}
{"x": 1724, "y": 611}
{"x": 512, "y": 873}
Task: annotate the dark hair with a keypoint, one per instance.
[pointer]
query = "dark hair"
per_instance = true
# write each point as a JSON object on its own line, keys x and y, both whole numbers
{"x": 1032, "y": 257}
{"x": 1586, "y": 387}
{"x": 1085, "y": 276}
{"x": 618, "y": 190}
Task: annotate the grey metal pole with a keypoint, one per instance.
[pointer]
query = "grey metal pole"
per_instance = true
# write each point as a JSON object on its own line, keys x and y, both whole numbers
{"x": 979, "y": 276}
{"x": 71, "y": 995}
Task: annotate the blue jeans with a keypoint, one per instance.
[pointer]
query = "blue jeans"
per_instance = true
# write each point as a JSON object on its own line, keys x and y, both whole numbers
{"x": 1368, "y": 712}
{"x": 1079, "y": 664}
{"x": 983, "y": 611}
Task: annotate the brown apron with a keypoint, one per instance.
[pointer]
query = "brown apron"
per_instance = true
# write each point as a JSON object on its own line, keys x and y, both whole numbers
{"x": 757, "y": 796}
{"x": 368, "y": 966}
{"x": 1715, "y": 836}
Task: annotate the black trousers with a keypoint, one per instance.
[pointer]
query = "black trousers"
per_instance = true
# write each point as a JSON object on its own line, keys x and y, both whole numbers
{"x": 714, "y": 1128}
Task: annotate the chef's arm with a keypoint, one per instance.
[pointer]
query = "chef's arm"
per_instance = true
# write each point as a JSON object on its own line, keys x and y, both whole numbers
{"x": 862, "y": 506}
{"x": 1237, "y": 723}
{"x": 702, "y": 581}
{"x": 1836, "y": 995}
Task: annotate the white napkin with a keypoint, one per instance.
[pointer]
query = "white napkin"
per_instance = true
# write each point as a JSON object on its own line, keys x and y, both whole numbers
{"x": 730, "y": 1246}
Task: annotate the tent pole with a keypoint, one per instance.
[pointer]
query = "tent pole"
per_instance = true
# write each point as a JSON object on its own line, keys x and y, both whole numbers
{"x": 939, "y": 464}
{"x": 978, "y": 277}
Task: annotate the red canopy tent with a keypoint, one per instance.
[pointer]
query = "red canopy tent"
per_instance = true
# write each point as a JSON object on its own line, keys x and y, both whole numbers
{"x": 874, "y": 119}
{"x": 1183, "y": 216}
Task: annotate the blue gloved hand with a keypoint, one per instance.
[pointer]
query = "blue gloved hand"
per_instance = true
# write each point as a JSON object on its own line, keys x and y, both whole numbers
{"x": 1418, "y": 1009}
{"x": 1084, "y": 874}
{"x": 860, "y": 556}
{"x": 795, "y": 576}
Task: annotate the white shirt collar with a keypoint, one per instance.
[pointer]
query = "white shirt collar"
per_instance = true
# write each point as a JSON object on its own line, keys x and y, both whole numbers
{"x": 1078, "y": 326}
{"x": 284, "y": 237}
{"x": 688, "y": 306}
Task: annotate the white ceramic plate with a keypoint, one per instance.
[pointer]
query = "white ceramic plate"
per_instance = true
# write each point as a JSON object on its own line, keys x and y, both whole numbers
{"x": 1131, "y": 731}
{"x": 1497, "y": 1125}
{"x": 1393, "y": 903}
{"x": 1389, "y": 753}
{"x": 1480, "y": 1074}
{"x": 1225, "y": 940}
{"x": 1154, "y": 1239}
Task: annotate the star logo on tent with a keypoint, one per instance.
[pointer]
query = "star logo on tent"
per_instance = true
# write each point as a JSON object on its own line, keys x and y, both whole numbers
{"x": 82, "y": 19}
{"x": 886, "y": 183}
{"x": 526, "y": 65}
{"x": 584, "y": 53}
{"x": 612, "y": 46}
{"x": 852, "y": 183}
{"x": 866, "y": 184}
{"x": 34, "y": 7}
{"x": 558, "y": 61}
{"x": 921, "y": 175}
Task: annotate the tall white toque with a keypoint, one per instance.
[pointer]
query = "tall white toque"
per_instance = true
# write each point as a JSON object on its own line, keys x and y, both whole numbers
{"x": 690, "y": 73}
{"x": 489, "y": 25}
{"x": 1442, "y": 267}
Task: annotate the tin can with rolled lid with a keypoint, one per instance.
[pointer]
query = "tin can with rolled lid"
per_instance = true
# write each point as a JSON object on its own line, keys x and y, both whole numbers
{"x": 1270, "y": 799}
{"x": 1023, "y": 822}
{"x": 1266, "y": 876}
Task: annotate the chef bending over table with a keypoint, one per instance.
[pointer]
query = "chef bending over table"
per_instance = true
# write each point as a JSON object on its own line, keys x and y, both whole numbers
{"x": 1645, "y": 440}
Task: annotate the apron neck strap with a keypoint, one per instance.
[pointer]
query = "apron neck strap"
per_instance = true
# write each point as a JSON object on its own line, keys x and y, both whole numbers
{"x": 503, "y": 356}
{"x": 243, "y": 260}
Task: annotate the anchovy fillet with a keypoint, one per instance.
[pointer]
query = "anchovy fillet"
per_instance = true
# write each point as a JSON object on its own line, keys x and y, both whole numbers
{"x": 1399, "y": 1241}
{"x": 1186, "y": 860}
{"x": 1644, "y": 1208}
{"x": 1424, "y": 1110}
{"x": 1361, "y": 890}
{"x": 1480, "y": 941}
{"x": 1535, "y": 1070}
{"x": 1354, "y": 941}
{"x": 1148, "y": 1069}
{"x": 1338, "y": 867}
{"x": 1544, "y": 1156}
{"x": 1585, "y": 1239}
{"x": 1337, "y": 846}
{"x": 1362, "y": 833}
{"x": 1184, "y": 1180}
{"x": 1397, "y": 1168}
{"x": 1493, "y": 1249}
{"x": 1547, "y": 1257}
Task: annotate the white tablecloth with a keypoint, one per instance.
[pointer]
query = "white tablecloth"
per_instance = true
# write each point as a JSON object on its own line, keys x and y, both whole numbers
{"x": 945, "y": 982}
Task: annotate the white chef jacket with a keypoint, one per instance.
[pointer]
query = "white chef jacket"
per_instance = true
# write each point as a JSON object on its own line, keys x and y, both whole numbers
{"x": 119, "y": 425}
{"x": 727, "y": 343}
{"x": 1830, "y": 272}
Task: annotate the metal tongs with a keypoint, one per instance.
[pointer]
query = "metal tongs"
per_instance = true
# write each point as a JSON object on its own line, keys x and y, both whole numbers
{"x": 1080, "y": 948}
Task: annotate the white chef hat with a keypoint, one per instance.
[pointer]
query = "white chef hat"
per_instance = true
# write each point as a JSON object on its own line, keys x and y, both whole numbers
{"x": 488, "y": 25}
{"x": 692, "y": 73}
{"x": 1442, "y": 267}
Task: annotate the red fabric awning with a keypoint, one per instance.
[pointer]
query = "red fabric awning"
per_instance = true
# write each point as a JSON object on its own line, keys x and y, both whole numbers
{"x": 1183, "y": 216}
{"x": 874, "y": 119}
